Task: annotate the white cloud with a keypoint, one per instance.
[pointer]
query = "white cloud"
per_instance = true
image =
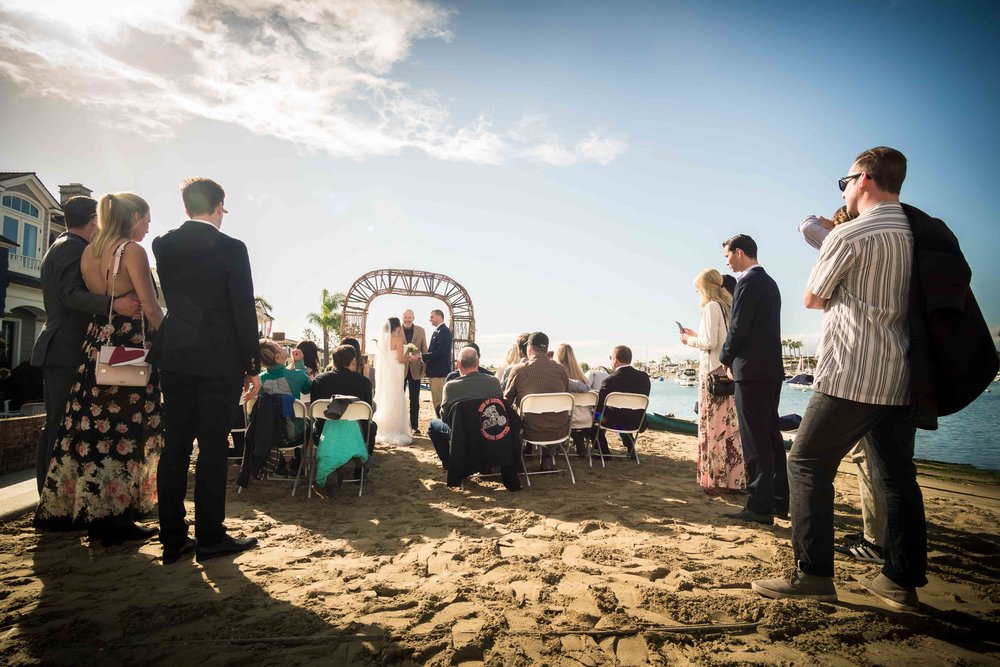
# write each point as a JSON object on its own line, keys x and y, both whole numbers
{"x": 318, "y": 74}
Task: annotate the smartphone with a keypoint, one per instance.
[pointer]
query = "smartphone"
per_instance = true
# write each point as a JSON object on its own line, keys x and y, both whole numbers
{"x": 679, "y": 327}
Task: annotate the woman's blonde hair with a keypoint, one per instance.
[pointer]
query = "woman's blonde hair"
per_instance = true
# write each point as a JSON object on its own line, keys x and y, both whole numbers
{"x": 269, "y": 351}
{"x": 116, "y": 217}
{"x": 709, "y": 286}
{"x": 513, "y": 355}
{"x": 565, "y": 356}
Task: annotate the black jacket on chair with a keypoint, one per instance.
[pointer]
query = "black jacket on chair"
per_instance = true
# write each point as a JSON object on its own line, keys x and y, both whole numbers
{"x": 753, "y": 344}
{"x": 211, "y": 325}
{"x": 265, "y": 431}
{"x": 485, "y": 435}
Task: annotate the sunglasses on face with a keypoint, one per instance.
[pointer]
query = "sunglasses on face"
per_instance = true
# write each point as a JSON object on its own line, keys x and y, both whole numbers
{"x": 842, "y": 182}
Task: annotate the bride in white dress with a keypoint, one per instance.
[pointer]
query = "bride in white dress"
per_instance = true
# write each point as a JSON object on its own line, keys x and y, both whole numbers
{"x": 392, "y": 409}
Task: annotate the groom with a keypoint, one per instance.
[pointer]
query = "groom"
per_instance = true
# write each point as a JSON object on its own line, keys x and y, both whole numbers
{"x": 438, "y": 358}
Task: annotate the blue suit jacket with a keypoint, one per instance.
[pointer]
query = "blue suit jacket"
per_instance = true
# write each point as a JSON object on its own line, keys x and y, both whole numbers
{"x": 753, "y": 345}
{"x": 438, "y": 355}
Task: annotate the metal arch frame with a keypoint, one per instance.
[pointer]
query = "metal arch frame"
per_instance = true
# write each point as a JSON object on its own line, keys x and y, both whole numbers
{"x": 408, "y": 282}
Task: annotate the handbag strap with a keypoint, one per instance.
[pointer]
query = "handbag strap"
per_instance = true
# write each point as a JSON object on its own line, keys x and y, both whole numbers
{"x": 113, "y": 270}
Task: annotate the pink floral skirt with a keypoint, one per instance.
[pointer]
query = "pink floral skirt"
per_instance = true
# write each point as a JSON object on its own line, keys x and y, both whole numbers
{"x": 720, "y": 452}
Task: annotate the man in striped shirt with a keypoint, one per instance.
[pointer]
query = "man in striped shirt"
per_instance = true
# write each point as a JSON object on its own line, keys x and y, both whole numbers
{"x": 862, "y": 281}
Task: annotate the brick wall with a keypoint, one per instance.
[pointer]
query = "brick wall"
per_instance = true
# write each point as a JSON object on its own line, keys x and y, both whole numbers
{"x": 18, "y": 442}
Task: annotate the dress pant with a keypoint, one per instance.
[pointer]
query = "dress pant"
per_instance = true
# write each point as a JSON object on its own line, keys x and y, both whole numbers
{"x": 58, "y": 381}
{"x": 195, "y": 407}
{"x": 872, "y": 505}
{"x": 602, "y": 440}
{"x": 413, "y": 387}
{"x": 763, "y": 446}
{"x": 830, "y": 427}
{"x": 437, "y": 393}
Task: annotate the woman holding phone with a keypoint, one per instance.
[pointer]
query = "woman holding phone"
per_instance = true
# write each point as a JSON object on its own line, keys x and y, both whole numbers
{"x": 720, "y": 452}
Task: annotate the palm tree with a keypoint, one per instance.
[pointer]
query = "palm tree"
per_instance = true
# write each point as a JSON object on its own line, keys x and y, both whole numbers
{"x": 795, "y": 345}
{"x": 264, "y": 308}
{"x": 328, "y": 317}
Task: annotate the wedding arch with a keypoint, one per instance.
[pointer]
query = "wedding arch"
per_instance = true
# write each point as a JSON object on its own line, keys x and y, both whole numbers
{"x": 408, "y": 282}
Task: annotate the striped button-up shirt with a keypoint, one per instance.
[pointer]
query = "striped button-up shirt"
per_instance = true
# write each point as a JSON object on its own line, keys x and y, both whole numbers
{"x": 864, "y": 270}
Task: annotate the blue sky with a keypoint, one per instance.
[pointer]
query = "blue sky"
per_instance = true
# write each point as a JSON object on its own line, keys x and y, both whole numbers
{"x": 574, "y": 165}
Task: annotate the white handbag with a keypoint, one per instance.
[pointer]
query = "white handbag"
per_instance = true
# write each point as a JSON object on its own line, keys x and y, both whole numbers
{"x": 121, "y": 365}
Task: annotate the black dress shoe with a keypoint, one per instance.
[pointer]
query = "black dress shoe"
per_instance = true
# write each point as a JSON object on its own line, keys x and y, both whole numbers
{"x": 226, "y": 546}
{"x": 781, "y": 513}
{"x": 173, "y": 553}
{"x": 548, "y": 465}
{"x": 747, "y": 515}
{"x": 131, "y": 532}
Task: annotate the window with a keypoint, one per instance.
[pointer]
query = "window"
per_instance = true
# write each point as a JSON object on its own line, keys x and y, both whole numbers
{"x": 10, "y": 226}
{"x": 30, "y": 246}
{"x": 20, "y": 205}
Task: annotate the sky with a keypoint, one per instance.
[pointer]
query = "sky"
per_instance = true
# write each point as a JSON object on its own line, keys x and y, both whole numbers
{"x": 574, "y": 165}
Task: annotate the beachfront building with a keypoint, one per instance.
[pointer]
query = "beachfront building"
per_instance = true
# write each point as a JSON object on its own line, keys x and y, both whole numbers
{"x": 32, "y": 219}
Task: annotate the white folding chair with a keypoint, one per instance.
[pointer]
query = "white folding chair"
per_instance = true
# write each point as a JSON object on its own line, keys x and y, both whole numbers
{"x": 536, "y": 404}
{"x": 31, "y": 409}
{"x": 357, "y": 411}
{"x": 619, "y": 399}
{"x": 300, "y": 411}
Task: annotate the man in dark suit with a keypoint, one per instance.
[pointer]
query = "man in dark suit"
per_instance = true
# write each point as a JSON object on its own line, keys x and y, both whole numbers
{"x": 346, "y": 380}
{"x": 539, "y": 375}
{"x": 416, "y": 336}
{"x": 624, "y": 379}
{"x": 68, "y": 309}
{"x": 752, "y": 356}
{"x": 206, "y": 351}
{"x": 438, "y": 358}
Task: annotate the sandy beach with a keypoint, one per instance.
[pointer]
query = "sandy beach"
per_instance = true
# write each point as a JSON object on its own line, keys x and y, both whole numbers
{"x": 633, "y": 565}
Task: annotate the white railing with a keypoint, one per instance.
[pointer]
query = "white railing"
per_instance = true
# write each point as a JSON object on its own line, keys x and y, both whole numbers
{"x": 25, "y": 264}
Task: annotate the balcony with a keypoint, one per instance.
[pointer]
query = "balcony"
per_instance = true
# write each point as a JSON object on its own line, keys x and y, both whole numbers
{"x": 25, "y": 265}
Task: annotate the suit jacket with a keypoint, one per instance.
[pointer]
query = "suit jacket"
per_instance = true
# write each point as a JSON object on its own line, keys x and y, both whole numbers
{"x": 211, "y": 325}
{"x": 753, "y": 344}
{"x": 416, "y": 368}
{"x": 438, "y": 356}
{"x": 342, "y": 381}
{"x": 68, "y": 304}
{"x": 539, "y": 375}
{"x": 627, "y": 380}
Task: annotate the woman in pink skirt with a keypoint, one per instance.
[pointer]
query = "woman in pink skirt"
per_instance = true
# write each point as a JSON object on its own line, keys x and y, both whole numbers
{"x": 720, "y": 454}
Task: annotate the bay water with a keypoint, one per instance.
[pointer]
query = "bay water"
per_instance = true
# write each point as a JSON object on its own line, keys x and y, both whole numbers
{"x": 971, "y": 436}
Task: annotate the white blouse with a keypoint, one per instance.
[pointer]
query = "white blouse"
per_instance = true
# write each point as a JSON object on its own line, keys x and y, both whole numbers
{"x": 711, "y": 335}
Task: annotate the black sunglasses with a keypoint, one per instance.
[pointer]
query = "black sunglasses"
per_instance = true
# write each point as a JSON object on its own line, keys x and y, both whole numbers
{"x": 842, "y": 182}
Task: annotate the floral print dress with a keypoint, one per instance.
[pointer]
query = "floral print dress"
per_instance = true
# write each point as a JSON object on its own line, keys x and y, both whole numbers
{"x": 720, "y": 451}
{"x": 102, "y": 473}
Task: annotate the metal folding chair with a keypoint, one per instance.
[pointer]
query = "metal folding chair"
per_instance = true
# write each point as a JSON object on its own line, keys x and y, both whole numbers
{"x": 619, "y": 399}
{"x": 547, "y": 404}
{"x": 357, "y": 411}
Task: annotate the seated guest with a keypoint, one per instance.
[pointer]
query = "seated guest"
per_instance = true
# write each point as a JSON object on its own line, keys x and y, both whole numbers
{"x": 345, "y": 379}
{"x": 278, "y": 379}
{"x": 470, "y": 384}
{"x": 305, "y": 357}
{"x": 539, "y": 375}
{"x": 364, "y": 367}
{"x": 596, "y": 377}
{"x": 455, "y": 373}
{"x": 583, "y": 417}
{"x": 517, "y": 354}
{"x": 627, "y": 380}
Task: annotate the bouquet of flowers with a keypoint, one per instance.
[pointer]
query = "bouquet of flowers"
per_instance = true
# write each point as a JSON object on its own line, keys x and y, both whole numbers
{"x": 410, "y": 349}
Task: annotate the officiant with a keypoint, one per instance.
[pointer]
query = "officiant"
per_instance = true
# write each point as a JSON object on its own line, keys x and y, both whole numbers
{"x": 416, "y": 336}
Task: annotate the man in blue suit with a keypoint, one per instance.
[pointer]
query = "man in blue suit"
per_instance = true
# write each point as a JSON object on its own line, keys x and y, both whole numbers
{"x": 752, "y": 356}
{"x": 438, "y": 358}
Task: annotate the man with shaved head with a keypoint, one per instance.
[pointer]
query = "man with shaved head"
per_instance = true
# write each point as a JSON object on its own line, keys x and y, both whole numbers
{"x": 415, "y": 369}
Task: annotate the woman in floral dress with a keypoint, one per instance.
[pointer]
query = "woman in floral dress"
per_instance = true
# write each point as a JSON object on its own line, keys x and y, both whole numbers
{"x": 102, "y": 475}
{"x": 720, "y": 452}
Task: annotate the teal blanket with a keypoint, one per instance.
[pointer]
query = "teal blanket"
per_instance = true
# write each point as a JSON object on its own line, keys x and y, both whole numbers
{"x": 339, "y": 443}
